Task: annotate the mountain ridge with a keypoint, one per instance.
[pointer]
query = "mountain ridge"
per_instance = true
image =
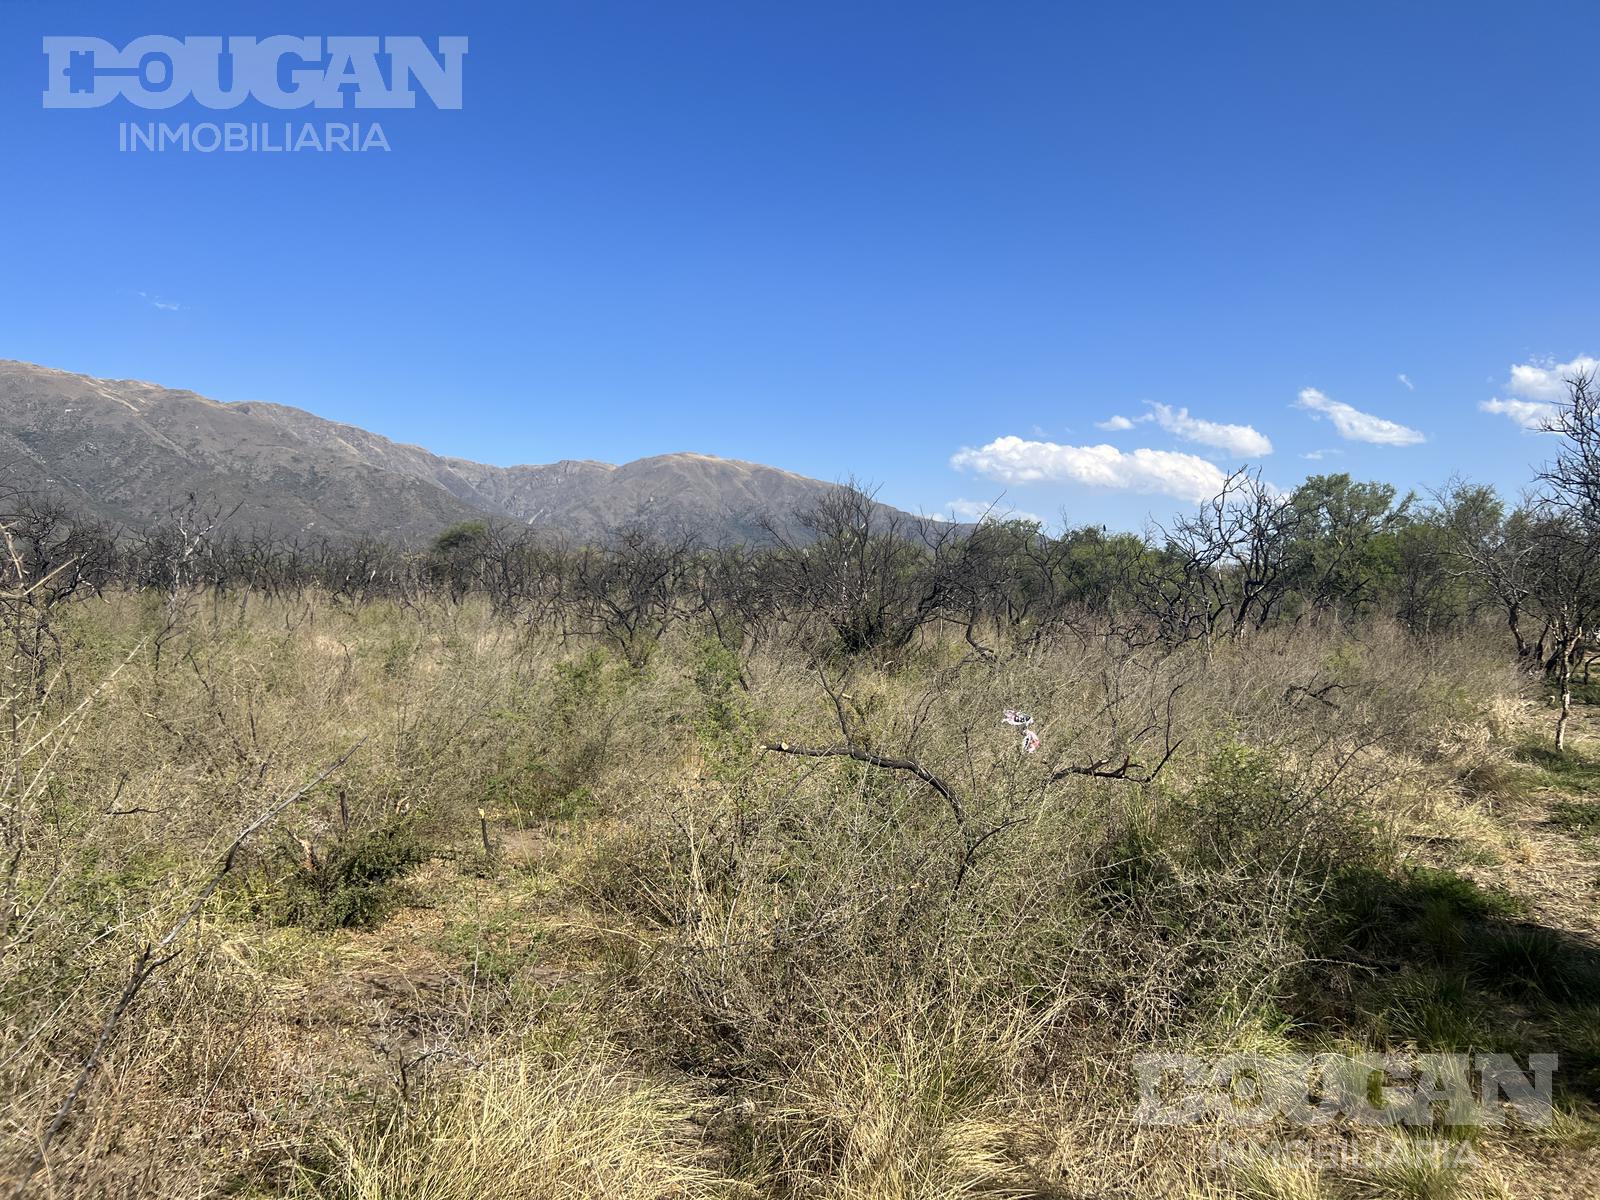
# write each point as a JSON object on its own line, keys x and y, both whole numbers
{"x": 130, "y": 450}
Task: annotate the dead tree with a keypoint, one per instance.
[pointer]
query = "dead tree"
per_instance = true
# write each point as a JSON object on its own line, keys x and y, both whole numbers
{"x": 1572, "y": 480}
{"x": 1223, "y": 570}
{"x": 1565, "y": 592}
{"x": 1566, "y": 528}
{"x": 862, "y": 574}
{"x": 631, "y": 590}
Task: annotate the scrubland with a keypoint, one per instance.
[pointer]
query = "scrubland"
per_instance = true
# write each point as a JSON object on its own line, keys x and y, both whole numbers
{"x": 561, "y": 924}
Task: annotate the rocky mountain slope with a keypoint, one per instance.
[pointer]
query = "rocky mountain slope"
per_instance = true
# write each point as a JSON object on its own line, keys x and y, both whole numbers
{"x": 130, "y": 451}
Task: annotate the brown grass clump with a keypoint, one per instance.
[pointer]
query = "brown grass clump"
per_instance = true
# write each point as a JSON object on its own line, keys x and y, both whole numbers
{"x": 518, "y": 1130}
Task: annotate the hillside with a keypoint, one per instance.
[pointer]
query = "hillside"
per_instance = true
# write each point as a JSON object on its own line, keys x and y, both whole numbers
{"x": 130, "y": 450}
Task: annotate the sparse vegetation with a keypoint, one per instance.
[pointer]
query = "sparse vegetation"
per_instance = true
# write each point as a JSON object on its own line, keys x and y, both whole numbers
{"x": 658, "y": 872}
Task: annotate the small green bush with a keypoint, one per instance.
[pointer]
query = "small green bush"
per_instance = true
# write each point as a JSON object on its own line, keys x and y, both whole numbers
{"x": 354, "y": 882}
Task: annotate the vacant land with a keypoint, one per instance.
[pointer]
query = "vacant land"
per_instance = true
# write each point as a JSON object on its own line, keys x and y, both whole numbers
{"x": 548, "y": 923}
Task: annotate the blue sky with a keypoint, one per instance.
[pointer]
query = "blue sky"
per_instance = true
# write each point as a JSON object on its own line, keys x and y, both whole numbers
{"x": 933, "y": 244}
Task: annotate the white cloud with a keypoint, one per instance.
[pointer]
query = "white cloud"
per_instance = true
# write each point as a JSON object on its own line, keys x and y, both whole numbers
{"x": 1357, "y": 426}
{"x": 1239, "y": 440}
{"x": 1116, "y": 424}
{"x": 1547, "y": 380}
{"x": 1537, "y": 389}
{"x": 1403, "y": 378}
{"x": 1530, "y": 414}
{"x": 977, "y": 510}
{"x": 157, "y": 302}
{"x": 1013, "y": 460}
{"x": 1319, "y": 455}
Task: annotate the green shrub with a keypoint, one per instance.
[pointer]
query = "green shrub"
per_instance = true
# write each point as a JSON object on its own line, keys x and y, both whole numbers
{"x": 352, "y": 883}
{"x": 722, "y": 718}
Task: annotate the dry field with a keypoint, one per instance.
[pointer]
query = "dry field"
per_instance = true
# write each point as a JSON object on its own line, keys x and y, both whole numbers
{"x": 558, "y": 926}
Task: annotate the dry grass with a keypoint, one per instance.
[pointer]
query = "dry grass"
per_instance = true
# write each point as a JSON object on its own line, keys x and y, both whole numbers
{"x": 684, "y": 967}
{"x": 521, "y": 1130}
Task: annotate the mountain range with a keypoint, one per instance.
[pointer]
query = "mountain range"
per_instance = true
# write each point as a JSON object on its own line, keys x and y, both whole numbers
{"x": 131, "y": 451}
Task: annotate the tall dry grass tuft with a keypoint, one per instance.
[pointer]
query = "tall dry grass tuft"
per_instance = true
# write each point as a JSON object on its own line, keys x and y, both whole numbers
{"x": 519, "y": 1130}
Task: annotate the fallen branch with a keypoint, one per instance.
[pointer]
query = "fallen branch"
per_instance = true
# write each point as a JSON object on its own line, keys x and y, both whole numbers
{"x": 1127, "y": 771}
{"x": 878, "y": 760}
{"x": 1298, "y": 691}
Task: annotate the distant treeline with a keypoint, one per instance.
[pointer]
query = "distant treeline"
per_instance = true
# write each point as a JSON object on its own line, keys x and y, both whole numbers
{"x": 1248, "y": 558}
{"x": 863, "y": 579}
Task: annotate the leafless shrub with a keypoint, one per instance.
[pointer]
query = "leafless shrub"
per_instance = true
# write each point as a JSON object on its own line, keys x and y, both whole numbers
{"x": 629, "y": 591}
